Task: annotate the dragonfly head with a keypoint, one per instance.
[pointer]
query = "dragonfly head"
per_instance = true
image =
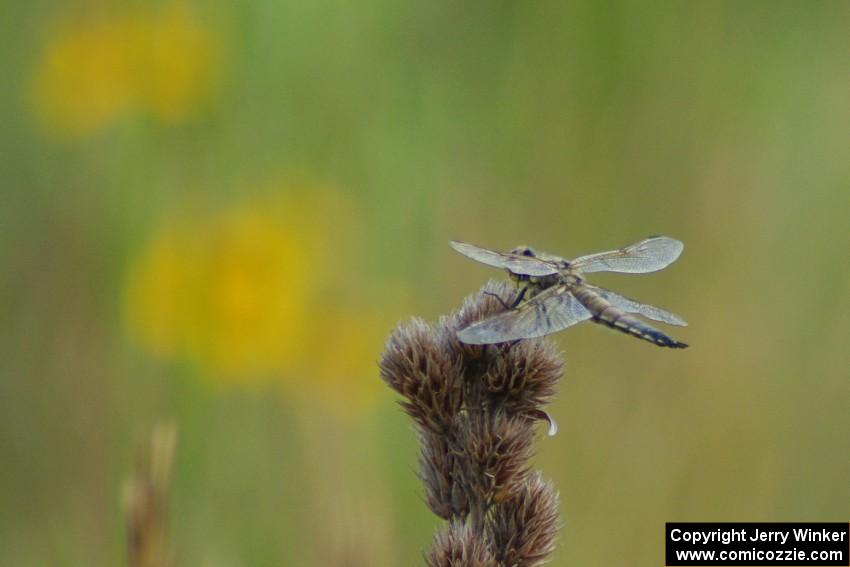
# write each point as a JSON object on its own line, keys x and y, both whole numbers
{"x": 524, "y": 251}
{"x": 531, "y": 253}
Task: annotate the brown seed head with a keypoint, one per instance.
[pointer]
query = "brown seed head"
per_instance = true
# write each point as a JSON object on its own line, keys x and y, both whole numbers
{"x": 522, "y": 529}
{"x": 524, "y": 377}
{"x": 457, "y": 546}
{"x": 490, "y": 300}
{"x": 439, "y": 470}
{"x": 497, "y": 455}
{"x": 474, "y": 407}
{"x": 418, "y": 364}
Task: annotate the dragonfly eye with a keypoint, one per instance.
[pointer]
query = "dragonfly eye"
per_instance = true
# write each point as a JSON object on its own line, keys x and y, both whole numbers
{"x": 524, "y": 251}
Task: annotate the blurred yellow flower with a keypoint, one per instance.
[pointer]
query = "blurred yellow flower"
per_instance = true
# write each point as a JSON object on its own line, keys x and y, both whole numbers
{"x": 178, "y": 57}
{"x": 223, "y": 292}
{"x": 257, "y": 294}
{"x": 160, "y": 308}
{"x": 94, "y": 71}
{"x": 84, "y": 78}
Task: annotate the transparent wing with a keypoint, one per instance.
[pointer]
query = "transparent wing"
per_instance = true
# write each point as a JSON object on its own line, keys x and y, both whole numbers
{"x": 518, "y": 264}
{"x": 648, "y": 311}
{"x": 649, "y": 255}
{"x": 553, "y": 310}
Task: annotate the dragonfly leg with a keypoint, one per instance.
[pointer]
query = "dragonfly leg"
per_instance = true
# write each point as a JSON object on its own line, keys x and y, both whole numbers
{"x": 499, "y": 299}
{"x": 508, "y": 306}
{"x": 519, "y": 297}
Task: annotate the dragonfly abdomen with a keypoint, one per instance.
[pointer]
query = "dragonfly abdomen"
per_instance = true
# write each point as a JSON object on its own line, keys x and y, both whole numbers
{"x": 605, "y": 313}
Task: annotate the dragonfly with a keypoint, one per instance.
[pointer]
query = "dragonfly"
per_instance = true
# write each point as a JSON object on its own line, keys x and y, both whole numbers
{"x": 554, "y": 295}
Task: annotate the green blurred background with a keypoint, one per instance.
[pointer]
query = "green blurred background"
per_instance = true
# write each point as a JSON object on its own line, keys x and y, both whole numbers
{"x": 213, "y": 213}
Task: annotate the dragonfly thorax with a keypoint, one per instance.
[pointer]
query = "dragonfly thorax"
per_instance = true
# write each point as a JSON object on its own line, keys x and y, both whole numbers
{"x": 534, "y": 284}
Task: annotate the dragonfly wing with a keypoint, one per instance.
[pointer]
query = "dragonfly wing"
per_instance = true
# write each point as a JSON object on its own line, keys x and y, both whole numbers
{"x": 516, "y": 263}
{"x": 648, "y": 311}
{"x": 648, "y": 255}
{"x": 551, "y": 311}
